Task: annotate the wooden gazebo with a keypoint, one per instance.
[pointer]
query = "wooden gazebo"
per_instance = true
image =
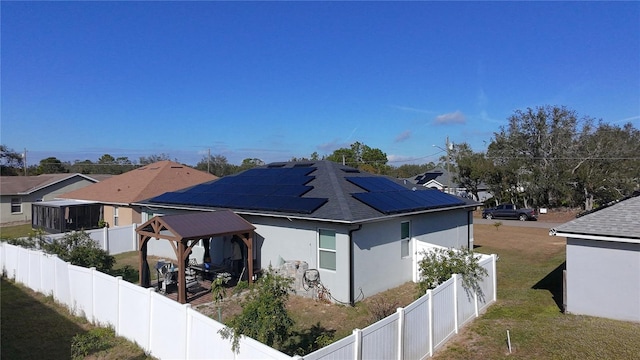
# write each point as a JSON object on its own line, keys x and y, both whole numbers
{"x": 183, "y": 231}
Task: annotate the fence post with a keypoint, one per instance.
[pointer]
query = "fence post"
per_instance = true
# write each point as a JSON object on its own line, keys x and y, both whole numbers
{"x": 430, "y": 300}
{"x": 455, "y": 302}
{"x": 475, "y": 300}
{"x": 400, "y": 333}
{"x": 116, "y": 326}
{"x": 150, "y": 290}
{"x": 93, "y": 295}
{"x": 134, "y": 236}
{"x": 187, "y": 333}
{"x": 105, "y": 239}
{"x": 495, "y": 276}
{"x": 357, "y": 344}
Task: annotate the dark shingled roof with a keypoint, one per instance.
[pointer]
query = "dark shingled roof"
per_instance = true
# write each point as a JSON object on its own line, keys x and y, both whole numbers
{"x": 327, "y": 182}
{"x": 205, "y": 224}
{"x": 621, "y": 220}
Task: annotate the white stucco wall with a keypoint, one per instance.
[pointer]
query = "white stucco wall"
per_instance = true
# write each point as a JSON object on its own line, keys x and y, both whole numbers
{"x": 377, "y": 261}
{"x": 603, "y": 279}
{"x": 298, "y": 240}
{"x": 447, "y": 228}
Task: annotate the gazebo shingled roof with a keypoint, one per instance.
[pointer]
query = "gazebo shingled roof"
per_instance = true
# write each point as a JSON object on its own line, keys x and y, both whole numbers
{"x": 184, "y": 231}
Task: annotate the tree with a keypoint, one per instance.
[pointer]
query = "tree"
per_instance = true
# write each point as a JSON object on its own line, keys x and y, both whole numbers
{"x": 11, "y": 162}
{"x": 608, "y": 163}
{"x": 51, "y": 165}
{"x": 535, "y": 146}
{"x": 362, "y": 157}
{"x": 153, "y": 158}
{"x": 250, "y": 163}
{"x": 264, "y": 314}
{"x": 116, "y": 166}
{"x": 83, "y": 167}
{"x": 472, "y": 169}
{"x": 217, "y": 165}
{"x": 79, "y": 249}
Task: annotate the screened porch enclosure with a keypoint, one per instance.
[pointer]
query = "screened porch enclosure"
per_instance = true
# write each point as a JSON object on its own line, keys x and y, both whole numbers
{"x": 56, "y": 217}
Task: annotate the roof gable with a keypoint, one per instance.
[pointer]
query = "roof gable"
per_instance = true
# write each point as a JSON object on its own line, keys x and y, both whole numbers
{"x": 141, "y": 183}
{"x": 319, "y": 190}
{"x": 24, "y": 185}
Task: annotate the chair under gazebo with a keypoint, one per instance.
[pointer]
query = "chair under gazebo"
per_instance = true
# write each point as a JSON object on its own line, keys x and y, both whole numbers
{"x": 184, "y": 231}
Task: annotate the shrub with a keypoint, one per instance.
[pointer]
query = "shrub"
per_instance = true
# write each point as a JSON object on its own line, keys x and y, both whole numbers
{"x": 79, "y": 249}
{"x": 439, "y": 264}
{"x": 93, "y": 341}
{"x": 264, "y": 315}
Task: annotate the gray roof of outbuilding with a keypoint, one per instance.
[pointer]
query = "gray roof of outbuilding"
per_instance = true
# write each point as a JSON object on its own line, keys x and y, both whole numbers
{"x": 621, "y": 220}
{"x": 330, "y": 183}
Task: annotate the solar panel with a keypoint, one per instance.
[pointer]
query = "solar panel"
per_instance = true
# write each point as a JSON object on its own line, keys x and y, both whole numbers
{"x": 391, "y": 202}
{"x": 371, "y": 183}
{"x": 277, "y": 189}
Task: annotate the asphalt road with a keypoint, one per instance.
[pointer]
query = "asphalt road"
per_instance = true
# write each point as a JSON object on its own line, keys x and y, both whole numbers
{"x": 507, "y": 222}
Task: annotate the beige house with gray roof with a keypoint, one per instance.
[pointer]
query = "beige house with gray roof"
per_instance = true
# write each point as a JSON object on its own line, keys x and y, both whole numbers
{"x": 18, "y": 193}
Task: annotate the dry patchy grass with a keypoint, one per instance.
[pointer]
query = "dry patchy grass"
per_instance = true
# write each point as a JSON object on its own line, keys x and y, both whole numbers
{"x": 529, "y": 302}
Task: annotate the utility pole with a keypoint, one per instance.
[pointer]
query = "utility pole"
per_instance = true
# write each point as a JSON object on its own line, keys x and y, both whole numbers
{"x": 208, "y": 159}
{"x": 448, "y": 169}
{"x": 24, "y": 161}
{"x": 449, "y": 147}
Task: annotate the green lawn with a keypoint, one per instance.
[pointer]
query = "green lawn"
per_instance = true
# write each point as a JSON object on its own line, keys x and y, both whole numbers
{"x": 15, "y": 231}
{"x": 33, "y": 326}
{"x": 529, "y": 306}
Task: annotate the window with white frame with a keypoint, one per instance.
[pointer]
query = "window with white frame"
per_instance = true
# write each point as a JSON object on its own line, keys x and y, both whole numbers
{"x": 16, "y": 205}
{"x": 405, "y": 239}
{"x": 115, "y": 216}
{"x": 326, "y": 249}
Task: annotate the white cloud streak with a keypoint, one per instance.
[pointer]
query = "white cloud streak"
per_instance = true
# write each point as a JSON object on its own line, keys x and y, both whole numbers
{"x": 456, "y": 117}
{"x": 405, "y": 135}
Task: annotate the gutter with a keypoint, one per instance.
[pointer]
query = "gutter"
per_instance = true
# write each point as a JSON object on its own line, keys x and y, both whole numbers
{"x": 351, "y": 265}
{"x": 554, "y": 232}
{"x": 307, "y": 218}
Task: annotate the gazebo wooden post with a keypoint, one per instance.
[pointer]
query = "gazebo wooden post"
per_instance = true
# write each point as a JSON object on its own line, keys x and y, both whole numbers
{"x": 142, "y": 255}
{"x": 248, "y": 240}
{"x": 182, "y": 282}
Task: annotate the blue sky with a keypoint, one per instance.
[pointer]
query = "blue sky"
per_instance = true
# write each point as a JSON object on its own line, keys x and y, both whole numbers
{"x": 274, "y": 80}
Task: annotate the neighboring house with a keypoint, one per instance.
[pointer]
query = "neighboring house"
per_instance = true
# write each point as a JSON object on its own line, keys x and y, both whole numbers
{"x": 118, "y": 193}
{"x": 18, "y": 193}
{"x": 442, "y": 180}
{"x": 359, "y": 231}
{"x": 603, "y": 262}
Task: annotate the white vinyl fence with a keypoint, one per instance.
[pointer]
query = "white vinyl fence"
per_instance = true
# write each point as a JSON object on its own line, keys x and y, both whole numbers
{"x": 120, "y": 239}
{"x": 416, "y": 331}
{"x": 113, "y": 240}
{"x": 169, "y": 330}
{"x": 162, "y": 327}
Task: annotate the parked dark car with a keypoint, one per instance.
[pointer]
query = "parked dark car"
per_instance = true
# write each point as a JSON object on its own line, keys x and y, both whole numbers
{"x": 509, "y": 211}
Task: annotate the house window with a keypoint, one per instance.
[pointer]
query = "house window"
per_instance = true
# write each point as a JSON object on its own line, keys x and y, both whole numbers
{"x": 327, "y": 249}
{"x": 405, "y": 239}
{"x": 16, "y": 205}
{"x": 115, "y": 216}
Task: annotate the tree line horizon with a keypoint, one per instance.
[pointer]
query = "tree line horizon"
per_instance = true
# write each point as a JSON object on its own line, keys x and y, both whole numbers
{"x": 545, "y": 156}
